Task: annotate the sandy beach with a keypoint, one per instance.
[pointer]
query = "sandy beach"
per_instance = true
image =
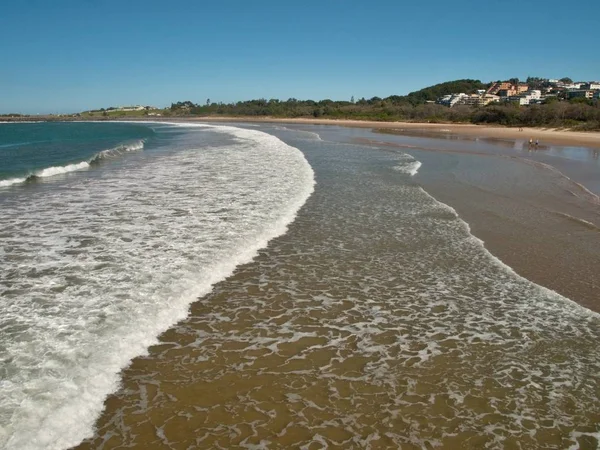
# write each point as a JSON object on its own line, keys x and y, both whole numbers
{"x": 547, "y": 135}
{"x": 557, "y": 246}
{"x": 378, "y": 320}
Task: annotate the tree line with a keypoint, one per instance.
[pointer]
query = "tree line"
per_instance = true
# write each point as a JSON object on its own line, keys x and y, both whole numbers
{"x": 577, "y": 114}
{"x": 417, "y": 106}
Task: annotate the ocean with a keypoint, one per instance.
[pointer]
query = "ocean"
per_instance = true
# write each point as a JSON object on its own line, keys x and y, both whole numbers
{"x": 211, "y": 286}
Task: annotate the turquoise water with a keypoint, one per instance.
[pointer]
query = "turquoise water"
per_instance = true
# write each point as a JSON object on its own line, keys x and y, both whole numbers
{"x": 32, "y": 148}
{"x": 120, "y": 228}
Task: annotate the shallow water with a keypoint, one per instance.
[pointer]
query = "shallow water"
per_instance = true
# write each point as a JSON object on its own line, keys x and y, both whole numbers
{"x": 96, "y": 263}
{"x": 377, "y": 321}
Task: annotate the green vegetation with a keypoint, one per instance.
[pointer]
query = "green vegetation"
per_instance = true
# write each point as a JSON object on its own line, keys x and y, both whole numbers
{"x": 114, "y": 113}
{"x": 415, "y": 107}
{"x": 418, "y": 106}
{"x": 432, "y": 93}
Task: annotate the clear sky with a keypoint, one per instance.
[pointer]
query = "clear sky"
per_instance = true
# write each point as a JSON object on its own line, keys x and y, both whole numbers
{"x": 71, "y": 55}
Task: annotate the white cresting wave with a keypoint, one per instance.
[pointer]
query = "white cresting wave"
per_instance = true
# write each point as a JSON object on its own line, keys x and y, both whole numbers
{"x": 408, "y": 165}
{"x": 312, "y": 134}
{"x": 411, "y": 168}
{"x": 83, "y": 165}
{"x": 94, "y": 273}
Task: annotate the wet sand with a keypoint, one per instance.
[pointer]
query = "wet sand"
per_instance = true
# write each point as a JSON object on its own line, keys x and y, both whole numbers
{"x": 549, "y": 238}
{"x": 374, "y": 324}
{"x": 378, "y": 321}
{"x": 549, "y": 234}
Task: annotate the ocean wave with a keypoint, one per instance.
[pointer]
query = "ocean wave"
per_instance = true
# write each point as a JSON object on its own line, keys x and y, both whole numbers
{"x": 411, "y": 168}
{"x": 117, "y": 152}
{"x": 165, "y": 243}
{"x": 110, "y": 153}
{"x": 11, "y": 181}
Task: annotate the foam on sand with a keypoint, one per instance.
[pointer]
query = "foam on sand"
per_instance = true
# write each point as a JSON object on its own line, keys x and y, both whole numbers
{"x": 144, "y": 241}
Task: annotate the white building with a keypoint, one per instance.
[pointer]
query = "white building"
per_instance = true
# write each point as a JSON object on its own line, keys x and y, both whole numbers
{"x": 526, "y": 98}
{"x": 592, "y": 86}
{"x": 452, "y": 99}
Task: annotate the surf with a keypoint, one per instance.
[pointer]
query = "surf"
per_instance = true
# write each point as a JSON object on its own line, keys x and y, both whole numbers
{"x": 144, "y": 241}
{"x": 97, "y": 159}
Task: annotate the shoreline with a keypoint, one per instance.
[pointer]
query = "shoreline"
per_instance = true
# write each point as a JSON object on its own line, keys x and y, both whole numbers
{"x": 556, "y": 136}
{"x": 568, "y": 275}
{"x": 497, "y": 236}
{"x": 549, "y": 135}
{"x": 299, "y": 326}
{"x": 548, "y": 237}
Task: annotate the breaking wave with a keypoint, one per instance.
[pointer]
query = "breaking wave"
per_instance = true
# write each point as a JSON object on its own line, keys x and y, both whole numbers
{"x": 98, "y": 158}
{"x": 408, "y": 165}
{"x": 80, "y": 310}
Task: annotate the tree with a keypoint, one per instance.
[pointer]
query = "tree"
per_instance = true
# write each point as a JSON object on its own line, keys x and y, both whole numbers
{"x": 352, "y": 99}
{"x": 566, "y": 80}
{"x": 207, "y": 101}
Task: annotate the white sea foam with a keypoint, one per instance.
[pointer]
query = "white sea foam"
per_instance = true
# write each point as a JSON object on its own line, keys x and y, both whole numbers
{"x": 83, "y": 165}
{"x": 59, "y": 170}
{"x": 312, "y": 134}
{"x": 11, "y": 181}
{"x": 406, "y": 163}
{"x": 97, "y": 271}
{"x": 505, "y": 267}
{"x": 411, "y": 167}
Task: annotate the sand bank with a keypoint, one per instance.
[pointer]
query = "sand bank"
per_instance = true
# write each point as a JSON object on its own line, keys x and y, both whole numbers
{"x": 547, "y": 135}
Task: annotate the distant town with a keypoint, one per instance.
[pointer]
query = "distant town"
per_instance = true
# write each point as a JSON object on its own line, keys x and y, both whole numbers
{"x": 537, "y": 91}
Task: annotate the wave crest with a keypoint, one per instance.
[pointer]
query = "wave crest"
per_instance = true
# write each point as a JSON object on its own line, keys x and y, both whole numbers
{"x": 97, "y": 159}
{"x": 116, "y": 152}
{"x": 410, "y": 168}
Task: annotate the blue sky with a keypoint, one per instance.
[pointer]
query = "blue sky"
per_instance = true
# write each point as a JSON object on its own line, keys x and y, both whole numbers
{"x": 67, "y": 56}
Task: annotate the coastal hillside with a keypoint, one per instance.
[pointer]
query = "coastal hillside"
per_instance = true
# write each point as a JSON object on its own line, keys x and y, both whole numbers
{"x": 432, "y": 93}
{"x": 538, "y": 102}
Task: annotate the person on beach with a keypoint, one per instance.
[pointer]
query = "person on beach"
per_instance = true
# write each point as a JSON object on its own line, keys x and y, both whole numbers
{"x": 537, "y": 143}
{"x": 530, "y": 142}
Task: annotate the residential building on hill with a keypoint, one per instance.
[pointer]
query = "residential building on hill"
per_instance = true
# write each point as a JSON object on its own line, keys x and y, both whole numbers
{"x": 526, "y": 98}
{"x": 498, "y": 86}
{"x": 582, "y": 93}
{"x": 451, "y": 100}
{"x": 592, "y": 85}
{"x": 506, "y": 89}
{"x": 470, "y": 100}
{"x": 480, "y": 99}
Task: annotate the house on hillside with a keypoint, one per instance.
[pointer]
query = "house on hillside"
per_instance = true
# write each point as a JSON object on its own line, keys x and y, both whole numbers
{"x": 506, "y": 89}
{"x": 480, "y": 99}
{"x": 469, "y": 100}
{"x": 451, "y": 100}
{"x": 591, "y": 86}
{"x": 526, "y": 98}
{"x": 581, "y": 93}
